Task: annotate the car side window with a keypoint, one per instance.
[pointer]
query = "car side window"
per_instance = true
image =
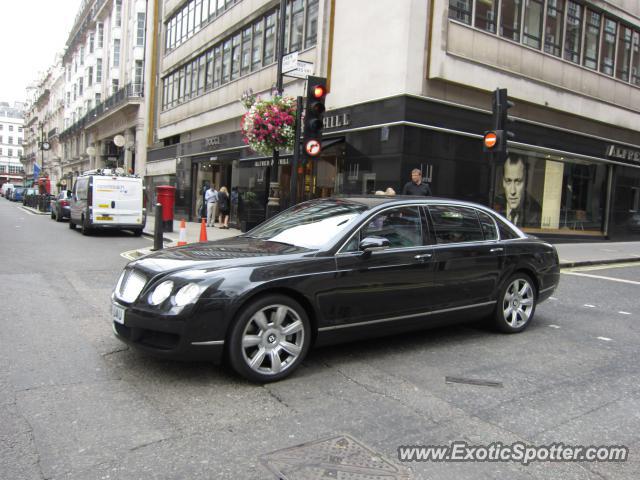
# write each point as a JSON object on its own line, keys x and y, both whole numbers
{"x": 488, "y": 226}
{"x": 401, "y": 226}
{"x": 455, "y": 224}
{"x": 505, "y": 232}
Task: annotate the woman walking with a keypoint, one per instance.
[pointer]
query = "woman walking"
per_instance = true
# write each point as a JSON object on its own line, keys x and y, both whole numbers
{"x": 223, "y": 207}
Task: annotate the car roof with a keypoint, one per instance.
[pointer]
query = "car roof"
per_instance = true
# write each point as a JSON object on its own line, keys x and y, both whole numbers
{"x": 372, "y": 201}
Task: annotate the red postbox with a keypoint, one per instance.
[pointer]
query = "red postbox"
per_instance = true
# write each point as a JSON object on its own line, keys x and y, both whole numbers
{"x": 166, "y": 195}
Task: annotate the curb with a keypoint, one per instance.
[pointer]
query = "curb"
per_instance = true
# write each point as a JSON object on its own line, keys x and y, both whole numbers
{"x": 150, "y": 235}
{"x": 589, "y": 263}
{"x": 34, "y": 210}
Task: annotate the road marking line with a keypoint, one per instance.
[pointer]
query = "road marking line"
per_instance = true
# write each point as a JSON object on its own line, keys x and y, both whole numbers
{"x": 601, "y": 277}
{"x": 606, "y": 339}
{"x": 552, "y": 298}
{"x": 554, "y": 326}
{"x": 589, "y": 306}
{"x": 624, "y": 313}
{"x": 607, "y": 266}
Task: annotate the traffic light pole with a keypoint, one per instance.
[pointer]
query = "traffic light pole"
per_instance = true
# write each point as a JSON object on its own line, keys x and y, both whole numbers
{"x": 295, "y": 161}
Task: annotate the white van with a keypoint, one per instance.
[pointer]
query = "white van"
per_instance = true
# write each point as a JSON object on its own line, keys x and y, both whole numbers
{"x": 104, "y": 199}
{"x": 6, "y": 189}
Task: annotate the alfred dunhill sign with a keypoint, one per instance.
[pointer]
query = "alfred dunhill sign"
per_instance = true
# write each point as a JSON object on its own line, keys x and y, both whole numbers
{"x": 623, "y": 153}
{"x": 335, "y": 121}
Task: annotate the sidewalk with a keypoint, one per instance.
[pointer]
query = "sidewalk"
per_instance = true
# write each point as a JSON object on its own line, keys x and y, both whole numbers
{"x": 571, "y": 254}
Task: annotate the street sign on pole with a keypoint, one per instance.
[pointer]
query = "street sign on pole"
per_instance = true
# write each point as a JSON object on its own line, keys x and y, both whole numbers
{"x": 302, "y": 70}
{"x": 289, "y": 62}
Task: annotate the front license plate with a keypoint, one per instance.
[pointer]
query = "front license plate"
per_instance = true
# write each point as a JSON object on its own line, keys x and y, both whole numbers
{"x": 104, "y": 217}
{"x": 117, "y": 312}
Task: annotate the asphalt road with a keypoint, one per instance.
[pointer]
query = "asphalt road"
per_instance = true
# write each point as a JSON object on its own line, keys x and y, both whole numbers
{"x": 77, "y": 404}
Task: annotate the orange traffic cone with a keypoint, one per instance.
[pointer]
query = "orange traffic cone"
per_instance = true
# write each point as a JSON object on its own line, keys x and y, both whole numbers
{"x": 203, "y": 231}
{"x": 183, "y": 234}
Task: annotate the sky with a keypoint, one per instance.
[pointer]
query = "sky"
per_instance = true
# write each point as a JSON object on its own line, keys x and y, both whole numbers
{"x": 31, "y": 33}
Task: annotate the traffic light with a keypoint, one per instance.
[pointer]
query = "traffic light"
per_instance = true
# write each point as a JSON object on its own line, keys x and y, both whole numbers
{"x": 313, "y": 116}
{"x": 501, "y": 123}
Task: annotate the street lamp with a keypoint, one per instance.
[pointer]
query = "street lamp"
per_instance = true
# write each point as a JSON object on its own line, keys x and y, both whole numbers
{"x": 118, "y": 141}
{"x": 43, "y": 144}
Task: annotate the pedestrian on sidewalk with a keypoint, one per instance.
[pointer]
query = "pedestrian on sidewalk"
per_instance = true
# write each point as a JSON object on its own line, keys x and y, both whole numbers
{"x": 416, "y": 186}
{"x": 223, "y": 207}
{"x": 211, "y": 197}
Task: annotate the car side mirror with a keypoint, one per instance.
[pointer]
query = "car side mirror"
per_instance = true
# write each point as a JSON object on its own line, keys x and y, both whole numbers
{"x": 373, "y": 244}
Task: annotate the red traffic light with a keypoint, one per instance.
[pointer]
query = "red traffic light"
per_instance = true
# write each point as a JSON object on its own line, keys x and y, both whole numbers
{"x": 312, "y": 147}
{"x": 319, "y": 91}
{"x": 490, "y": 140}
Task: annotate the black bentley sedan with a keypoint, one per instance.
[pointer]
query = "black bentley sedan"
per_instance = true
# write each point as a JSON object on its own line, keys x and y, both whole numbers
{"x": 328, "y": 271}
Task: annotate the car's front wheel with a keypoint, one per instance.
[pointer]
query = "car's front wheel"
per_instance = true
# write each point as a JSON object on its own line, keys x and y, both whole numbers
{"x": 516, "y": 303}
{"x": 269, "y": 339}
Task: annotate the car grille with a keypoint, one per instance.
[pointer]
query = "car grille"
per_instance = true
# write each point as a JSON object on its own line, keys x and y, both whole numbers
{"x": 130, "y": 285}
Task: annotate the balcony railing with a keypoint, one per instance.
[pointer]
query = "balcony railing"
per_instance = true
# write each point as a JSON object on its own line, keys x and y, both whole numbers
{"x": 122, "y": 96}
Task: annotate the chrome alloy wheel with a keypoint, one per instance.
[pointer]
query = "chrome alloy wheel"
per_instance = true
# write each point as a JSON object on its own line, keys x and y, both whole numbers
{"x": 518, "y": 303}
{"x": 273, "y": 339}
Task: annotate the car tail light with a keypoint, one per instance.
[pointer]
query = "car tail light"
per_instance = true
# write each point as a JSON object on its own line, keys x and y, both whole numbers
{"x": 64, "y": 203}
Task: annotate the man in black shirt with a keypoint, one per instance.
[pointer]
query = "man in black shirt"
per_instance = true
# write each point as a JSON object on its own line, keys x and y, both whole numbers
{"x": 415, "y": 186}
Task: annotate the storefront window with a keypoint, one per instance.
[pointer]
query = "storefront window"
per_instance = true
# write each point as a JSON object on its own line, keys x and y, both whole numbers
{"x": 546, "y": 194}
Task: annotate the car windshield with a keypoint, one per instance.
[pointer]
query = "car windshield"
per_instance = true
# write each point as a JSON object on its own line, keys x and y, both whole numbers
{"x": 309, "y": 225}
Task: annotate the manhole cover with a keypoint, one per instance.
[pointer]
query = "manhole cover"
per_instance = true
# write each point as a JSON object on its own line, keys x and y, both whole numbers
{"x": 340, "y": 458}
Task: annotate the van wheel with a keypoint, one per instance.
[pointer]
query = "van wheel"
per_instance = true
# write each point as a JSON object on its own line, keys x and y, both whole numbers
{"x": 53, "y": 215}
{"x": 137, "y": 232}
{"x": 84, "y": 227}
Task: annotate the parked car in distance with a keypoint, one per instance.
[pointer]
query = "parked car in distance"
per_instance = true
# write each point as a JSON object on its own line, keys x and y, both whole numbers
{"x": 61, "y": 206}
{"x": 27, "y": 193}
{"x": 17, "y": 194}
{"x": 329, "y": 271}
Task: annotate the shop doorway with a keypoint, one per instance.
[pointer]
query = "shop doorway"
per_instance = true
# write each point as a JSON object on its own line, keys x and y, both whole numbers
{"x": 208, "y": 172}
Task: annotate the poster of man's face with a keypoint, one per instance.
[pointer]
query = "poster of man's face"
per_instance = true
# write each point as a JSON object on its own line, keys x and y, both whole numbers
{"x": 514, "y": 202}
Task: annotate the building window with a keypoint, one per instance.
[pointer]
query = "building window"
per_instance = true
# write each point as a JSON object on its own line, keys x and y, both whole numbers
{"x": 201, "y": 74}
{"x": 635, "y": 60}
{"x": 236, "y": 43}
{"x": 11, "y": 128}
{"x": 100, "y": 28}
{"x": 510, "y": 14}
{"x": 460, "y": 10}
{"x": 246, "y": 51}
{"x": 256, "y": 60}
{"x": 217, "y": 70}
{"x": 297, "y": 25}
{"x": 554, "y": 27}
{"x": 99, "y": 70}
{"x": 311, "y": 29}
{"x": 532, "y": 25}
{"x": 226, "y": 61}
{"x": 116, "y": 52}
{"x": 10, "y": 141}
{"x": 608, "y": 48}
{"x": 209, "y": 69}
{"x": 98, "y": 98}
{"x": 91, "y": 42}
{"x": 270, "y": 38}
{"x": 19, "y": 129}
{"x": 573, "y": 32}
{"x": 10, "y": 152}
{"x": 90, "y": 76}
{"x": 485, "y": 18}
{"x": 115, "y": 86}
{"x": 591, "y": 40}
{"x": 82, "y": 56}
{"x": 138, "y": 77}
{"x": 624, "y": 53}
{"x": 140, "y": 29}
{"x": 118, "y": 13}
{"x": 80, "y": 86}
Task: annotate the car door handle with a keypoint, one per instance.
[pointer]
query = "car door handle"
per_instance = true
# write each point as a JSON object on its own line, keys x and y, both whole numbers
{"x": 423, "y": 256}
{"x": 497, "y": 249}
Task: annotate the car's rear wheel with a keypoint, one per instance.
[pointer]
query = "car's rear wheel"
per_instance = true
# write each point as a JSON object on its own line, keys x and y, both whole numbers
{"x": 269, "y": 339}
{"x": 53, "y": 215}
{"x": 516, "y": 303}
{"x": 59, "y": 216}
{"x": 72, "y": 225}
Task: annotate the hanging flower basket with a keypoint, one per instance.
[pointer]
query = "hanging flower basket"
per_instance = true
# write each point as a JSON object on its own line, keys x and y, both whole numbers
{"x": 269, "y": 124}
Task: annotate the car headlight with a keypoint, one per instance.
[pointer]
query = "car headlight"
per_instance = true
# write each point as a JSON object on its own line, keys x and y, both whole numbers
{"x": 161, "y": 293}
{"x": 187, "y": 294}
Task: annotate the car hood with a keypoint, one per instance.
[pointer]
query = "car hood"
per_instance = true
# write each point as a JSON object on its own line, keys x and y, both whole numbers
{"x": 227, "y": 253}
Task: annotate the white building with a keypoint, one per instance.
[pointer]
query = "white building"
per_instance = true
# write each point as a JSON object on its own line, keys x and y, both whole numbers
{"x": 104, "y": 76}
{"x": 11, "y": 137}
